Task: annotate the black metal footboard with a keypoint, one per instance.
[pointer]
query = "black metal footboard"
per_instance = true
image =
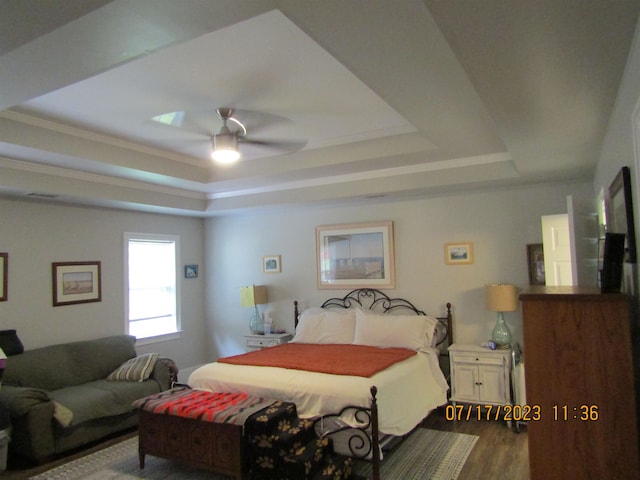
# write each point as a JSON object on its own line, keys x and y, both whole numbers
{"x": 362, "y": 437}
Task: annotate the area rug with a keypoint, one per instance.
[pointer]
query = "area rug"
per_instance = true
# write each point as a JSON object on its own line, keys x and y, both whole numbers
{"x": 426, "y": 453}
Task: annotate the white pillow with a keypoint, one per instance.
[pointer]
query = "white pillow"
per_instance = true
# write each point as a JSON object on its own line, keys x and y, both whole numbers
{"x": 404, "y": 331}
{"x": 319, "y": 325}
{"x": 439, "y": 332}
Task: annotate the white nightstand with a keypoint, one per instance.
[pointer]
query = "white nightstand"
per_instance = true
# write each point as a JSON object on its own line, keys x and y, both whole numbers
{"x": 480, "y": 375}
{"x": 257, "y": 342}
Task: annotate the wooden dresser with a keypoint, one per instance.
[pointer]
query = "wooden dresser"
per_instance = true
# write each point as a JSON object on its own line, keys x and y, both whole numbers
{"x": 577, "y": 347}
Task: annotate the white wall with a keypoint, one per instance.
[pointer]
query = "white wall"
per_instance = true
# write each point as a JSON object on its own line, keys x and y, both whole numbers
{"x": 618, "y": 149}
{"x": 499, "y": 224}
{"x": 229, "y": 250}
{"x": 36, "y": 234}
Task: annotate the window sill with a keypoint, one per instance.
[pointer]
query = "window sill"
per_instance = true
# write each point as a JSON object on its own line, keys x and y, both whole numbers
{"x": 159, "y": 338}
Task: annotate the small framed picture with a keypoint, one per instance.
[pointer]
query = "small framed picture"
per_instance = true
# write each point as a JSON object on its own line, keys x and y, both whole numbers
{"x": 535, "y": 259}
{"x": 459, "y": 253}
{"x": 271, "y": 264}
{"x": 191, "y": 271}
{"x": 76, "y": 282}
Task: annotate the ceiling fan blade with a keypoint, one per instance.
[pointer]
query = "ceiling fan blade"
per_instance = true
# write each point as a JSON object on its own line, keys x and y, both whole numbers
{"x": 285, "y": 145}
{"x": 254, "y": 121}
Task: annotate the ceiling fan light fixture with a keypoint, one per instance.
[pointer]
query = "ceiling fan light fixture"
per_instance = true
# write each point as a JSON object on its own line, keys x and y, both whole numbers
{"x": 225, "y": 148}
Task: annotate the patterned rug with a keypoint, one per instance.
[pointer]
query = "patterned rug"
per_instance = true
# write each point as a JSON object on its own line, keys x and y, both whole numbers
{"x": 431, "y": 454}
{"x": 426, "y": 453}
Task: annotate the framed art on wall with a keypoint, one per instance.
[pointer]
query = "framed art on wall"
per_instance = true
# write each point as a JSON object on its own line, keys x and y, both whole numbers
{"x": 458, "y": 253}
{"x": 191, "y": 271}
{"x": 76, "y": 282}
{"x": 271, "y": 264}
{"x": 355, "y": 255}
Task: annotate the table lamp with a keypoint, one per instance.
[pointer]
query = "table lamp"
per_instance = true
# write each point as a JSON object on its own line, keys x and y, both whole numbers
{"x": 252, "y": 296}
{"x": 500, "y": 297}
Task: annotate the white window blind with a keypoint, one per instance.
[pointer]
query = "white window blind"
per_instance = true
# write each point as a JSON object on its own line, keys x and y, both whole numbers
{"x": 152, "y": 285}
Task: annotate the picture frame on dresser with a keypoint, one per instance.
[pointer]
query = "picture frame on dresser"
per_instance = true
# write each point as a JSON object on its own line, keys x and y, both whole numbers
{"x": 535, "y": 260}
{"x": 620, "y": 212}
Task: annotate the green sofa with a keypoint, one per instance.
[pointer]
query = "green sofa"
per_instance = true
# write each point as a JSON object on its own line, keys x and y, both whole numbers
{"x": 59, "y": 397}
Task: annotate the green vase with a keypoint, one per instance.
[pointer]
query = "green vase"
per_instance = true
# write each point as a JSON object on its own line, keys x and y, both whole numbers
{"x": 255, "y": 324}
{"x": 501, "y": 335}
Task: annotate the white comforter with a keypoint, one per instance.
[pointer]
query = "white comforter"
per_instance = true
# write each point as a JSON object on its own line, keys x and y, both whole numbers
{"x": 407, "y": 391}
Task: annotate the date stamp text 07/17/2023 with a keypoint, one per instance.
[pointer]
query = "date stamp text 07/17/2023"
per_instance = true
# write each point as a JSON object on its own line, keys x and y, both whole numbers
{"x": 522, "y": 413}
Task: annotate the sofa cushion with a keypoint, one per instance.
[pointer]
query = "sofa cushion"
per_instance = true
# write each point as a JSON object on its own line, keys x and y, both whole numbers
{"x": 135, "y": 369}
{"x": 58, "y": 366}
{"x": 99, "y": 399}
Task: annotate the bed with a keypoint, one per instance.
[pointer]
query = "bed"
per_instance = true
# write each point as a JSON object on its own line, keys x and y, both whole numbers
{"x": 404, "y": 392}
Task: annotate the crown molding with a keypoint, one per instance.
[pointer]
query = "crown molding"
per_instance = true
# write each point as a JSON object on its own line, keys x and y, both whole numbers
{"x": 370, "y": 175}
{"x": 95, "y": 178}
{"x": 66, "y": 129}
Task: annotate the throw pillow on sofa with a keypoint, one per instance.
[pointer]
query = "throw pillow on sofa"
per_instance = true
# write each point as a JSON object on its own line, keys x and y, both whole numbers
{"x": 136, "y": 369}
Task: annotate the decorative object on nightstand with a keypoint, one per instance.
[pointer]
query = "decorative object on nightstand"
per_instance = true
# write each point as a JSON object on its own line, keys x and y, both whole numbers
{"x": 252, "y": 296}
{"x": 501, "y": 297}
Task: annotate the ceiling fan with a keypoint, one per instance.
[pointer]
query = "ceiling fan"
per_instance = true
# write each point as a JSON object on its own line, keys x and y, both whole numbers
{"x": 226, "y": 144}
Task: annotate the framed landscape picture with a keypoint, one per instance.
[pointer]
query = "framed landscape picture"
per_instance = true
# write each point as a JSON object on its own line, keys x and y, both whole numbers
{"x": 355, "y": 255}
{"x": 459, "y": 253}
{"x": 76, "y": 282}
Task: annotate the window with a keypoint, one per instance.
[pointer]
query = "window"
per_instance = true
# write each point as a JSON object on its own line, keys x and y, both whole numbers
{"x": 152, "y": 289}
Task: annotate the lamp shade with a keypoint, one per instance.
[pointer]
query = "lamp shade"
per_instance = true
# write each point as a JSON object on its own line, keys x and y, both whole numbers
{"x": 253, "y": 295}
{"x": 500, "y": 297}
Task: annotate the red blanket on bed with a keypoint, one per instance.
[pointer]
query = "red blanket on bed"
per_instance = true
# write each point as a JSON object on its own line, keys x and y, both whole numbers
{"x": 336, "y": 359}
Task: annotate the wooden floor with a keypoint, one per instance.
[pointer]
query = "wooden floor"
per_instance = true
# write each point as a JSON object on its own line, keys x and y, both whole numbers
{"x": 499, "y": 453}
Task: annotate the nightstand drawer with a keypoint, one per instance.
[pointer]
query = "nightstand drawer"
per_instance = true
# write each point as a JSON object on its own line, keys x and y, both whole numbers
{"x": 264, "y": 342}
{"x": 257, "y": 342}
{"x": 484, "y": 359}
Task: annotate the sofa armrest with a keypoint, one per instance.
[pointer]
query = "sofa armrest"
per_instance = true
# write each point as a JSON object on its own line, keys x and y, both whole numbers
{"x": 31, "y": 412}
{"x": 165, "y": 372}
{"x": 19, "y": 400}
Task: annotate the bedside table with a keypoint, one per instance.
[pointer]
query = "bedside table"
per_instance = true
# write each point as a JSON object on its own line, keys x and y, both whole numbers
{"x": 480, "y": 375}
{"x": 258, "y": 342}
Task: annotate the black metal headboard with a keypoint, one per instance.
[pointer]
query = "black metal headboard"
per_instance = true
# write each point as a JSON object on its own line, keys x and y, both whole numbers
{"x": 373, "y": 299}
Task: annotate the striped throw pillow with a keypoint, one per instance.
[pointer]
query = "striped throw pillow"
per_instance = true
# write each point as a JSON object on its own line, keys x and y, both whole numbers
{"x": 136, "y": 369}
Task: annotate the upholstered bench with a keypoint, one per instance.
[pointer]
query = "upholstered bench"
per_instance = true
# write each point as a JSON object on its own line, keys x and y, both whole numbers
{"x": 204, "y": 429}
